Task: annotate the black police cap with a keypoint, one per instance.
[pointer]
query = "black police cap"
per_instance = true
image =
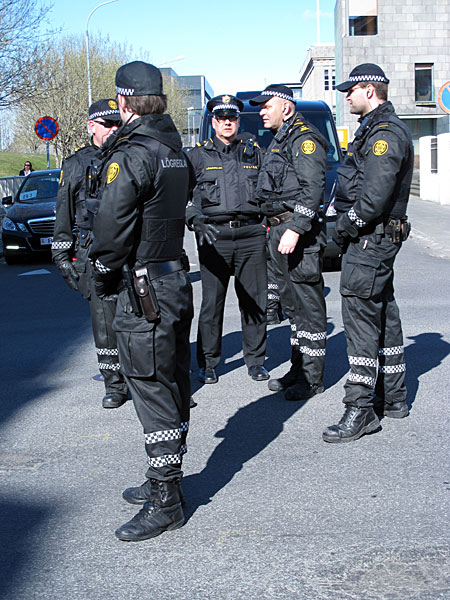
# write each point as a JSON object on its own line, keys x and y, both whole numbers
{"x": 364, "y": 72}
{"x": 225, "y": 106}
{"x": 273, "y": 90}
{"x": 139, "y": 79}
{"x": 104, "y": 109}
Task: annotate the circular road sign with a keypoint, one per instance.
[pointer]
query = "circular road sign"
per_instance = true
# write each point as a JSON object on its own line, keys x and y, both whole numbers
{"x": 444, "y": 97}
{"x": 46, "y": 128}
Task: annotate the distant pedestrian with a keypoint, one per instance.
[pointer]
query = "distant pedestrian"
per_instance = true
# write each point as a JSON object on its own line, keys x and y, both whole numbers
{"x": 27, "y": 169}
{"x": 372, "y": 195}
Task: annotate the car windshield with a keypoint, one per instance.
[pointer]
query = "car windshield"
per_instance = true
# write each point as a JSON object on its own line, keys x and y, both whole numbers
{"x": 251, "y": 122}
{"x": 39, "y": 189}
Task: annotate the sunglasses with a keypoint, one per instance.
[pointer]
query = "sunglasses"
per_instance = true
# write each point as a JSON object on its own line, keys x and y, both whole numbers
{"x": 108, "y": 124}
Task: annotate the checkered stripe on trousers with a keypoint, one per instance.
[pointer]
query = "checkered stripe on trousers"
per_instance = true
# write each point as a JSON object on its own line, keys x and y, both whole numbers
{"x": 355, "y": 378}
{"x": 167, "y": 459}
{"x": 393, "y": 368}
{"x": 107, "y": 351}
{"x": 168, "y": 434}
{"x": 108, "y": 367}
{"x": 314, "y": 337}
{"x": 390, "y": 351}
{"x": 363, "y": 361}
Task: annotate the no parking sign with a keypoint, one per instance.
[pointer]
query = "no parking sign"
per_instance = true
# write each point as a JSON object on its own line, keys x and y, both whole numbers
{"x": 444, "y": 97}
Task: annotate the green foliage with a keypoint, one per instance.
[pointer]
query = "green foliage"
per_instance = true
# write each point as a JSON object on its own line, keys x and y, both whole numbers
{"x": 12, "y": 162}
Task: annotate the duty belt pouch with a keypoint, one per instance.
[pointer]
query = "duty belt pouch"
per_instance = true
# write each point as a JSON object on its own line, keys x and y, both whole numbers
{"x": 146, "y": 294}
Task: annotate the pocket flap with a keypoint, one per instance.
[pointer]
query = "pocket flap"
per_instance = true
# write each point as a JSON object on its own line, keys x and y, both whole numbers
{"x": 367, "y": 261}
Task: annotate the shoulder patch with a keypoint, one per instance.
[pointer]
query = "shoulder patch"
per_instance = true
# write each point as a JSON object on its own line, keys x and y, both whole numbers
{"x": 308, "y": 147}
{"x": 380, "y": 147}
{"x": 112, "y": 173}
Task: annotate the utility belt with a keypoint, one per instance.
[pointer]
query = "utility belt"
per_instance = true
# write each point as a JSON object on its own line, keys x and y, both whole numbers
{"x": 397, "y": 230}
{"x": 284, "y": 217}
{"x": 235, "y": 223}
{"x": 138, "y": 283}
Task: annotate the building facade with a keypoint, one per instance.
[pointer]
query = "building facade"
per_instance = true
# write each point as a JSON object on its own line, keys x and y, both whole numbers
{"x": 196, "y": 92}
{"x": 409, "y": 39}
{"x": 317, "y": 75}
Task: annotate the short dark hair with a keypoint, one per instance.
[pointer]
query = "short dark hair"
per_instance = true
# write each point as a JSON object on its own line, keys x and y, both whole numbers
{"x": 381, "y": 88}
{"x": 146, "y": 105}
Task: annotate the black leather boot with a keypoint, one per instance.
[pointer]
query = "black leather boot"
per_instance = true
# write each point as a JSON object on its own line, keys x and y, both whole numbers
{"x": 163, "y": 513}
{"x": 143, "y": 493}
{"x": 303, "y": 391}
{"x": 114, "y": 400}
{"x": 354, "y": 423}
{"x": 291, "y": 377}
{"x": 396, "y": 410}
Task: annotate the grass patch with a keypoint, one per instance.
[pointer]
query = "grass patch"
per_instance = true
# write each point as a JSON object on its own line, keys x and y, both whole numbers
{"x": 12, "y": 162}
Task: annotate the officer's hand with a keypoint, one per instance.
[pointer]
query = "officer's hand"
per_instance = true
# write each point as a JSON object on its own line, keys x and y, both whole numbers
{"x": 104, "y": 292}
{"x": 288, "y": 242}
{"x": 207, "y": 232}
{"x": 345, "y": 227}
{"x": 339, "y": 239}
{"x": 69, "y": 273}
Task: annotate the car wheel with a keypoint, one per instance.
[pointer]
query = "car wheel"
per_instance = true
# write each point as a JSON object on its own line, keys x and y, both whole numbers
{"x": 12, "y": 260}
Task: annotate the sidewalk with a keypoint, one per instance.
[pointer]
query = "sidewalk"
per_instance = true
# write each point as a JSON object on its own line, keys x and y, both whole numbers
{"x": 430, "y": 225}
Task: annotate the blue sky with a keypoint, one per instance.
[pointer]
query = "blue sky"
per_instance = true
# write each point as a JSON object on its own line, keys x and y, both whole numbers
{"x": 237, "y": 45}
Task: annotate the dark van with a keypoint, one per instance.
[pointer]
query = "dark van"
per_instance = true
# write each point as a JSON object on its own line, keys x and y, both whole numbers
{"x": 319, "y": 114}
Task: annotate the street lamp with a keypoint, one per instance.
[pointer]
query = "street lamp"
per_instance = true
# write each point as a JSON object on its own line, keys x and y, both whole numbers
{"x": 87, "y": 48}
{"x": 166, "y": 62}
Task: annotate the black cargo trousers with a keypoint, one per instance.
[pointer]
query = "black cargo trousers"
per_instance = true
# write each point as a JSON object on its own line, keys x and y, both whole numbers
{"x": 155, "y": 360}
{"x": 372, "y": 322}
{"x": 102, "y": 316}
{"x": 240, "y": 252}
{"x": 300, "y": 283}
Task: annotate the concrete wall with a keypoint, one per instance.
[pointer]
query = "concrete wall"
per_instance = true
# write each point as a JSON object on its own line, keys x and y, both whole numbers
{"x": 435, "y": 186}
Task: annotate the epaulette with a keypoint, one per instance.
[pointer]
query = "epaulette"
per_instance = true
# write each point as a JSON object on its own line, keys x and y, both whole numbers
{"x": 299, "y": 123}
{"x": 209, "y": 144}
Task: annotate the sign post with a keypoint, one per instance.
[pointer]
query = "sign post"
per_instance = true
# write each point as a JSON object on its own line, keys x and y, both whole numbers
{"x": 46, "y": 128}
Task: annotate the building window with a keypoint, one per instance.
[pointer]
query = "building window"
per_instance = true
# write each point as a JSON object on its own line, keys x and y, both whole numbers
{"x": 362, "y": 17}
{"x": 424, "y": 82}
{"x": 326, "y": 79}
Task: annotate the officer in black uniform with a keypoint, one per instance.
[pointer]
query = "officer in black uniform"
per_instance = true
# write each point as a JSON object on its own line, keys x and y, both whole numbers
{"x": 138, "y": 251}
{"x": 291, "y": 187}
{"x": 71, "y": 256}
{"x": 371, "y": 199}
{"x": 231, "y": 238}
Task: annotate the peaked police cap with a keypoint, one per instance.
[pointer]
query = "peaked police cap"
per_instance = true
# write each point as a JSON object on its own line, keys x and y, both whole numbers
{"x": 364, "y": 72}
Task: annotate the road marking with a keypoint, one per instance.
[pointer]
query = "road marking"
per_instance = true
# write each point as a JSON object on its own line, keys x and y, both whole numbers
{"x": 104, "y": 437}
{"x": 38, "y": 272}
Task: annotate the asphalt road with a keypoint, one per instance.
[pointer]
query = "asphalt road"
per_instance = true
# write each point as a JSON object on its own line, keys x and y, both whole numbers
{"x": 273, "y": 512}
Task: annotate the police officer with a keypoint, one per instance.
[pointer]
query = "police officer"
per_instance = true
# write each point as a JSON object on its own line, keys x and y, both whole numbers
{"x": 372, "y": 196}
{"x": 231, "y": 238}
{"x": 71, "y": 211}
{"x": 138, "y": 251}
{"x": 291, "y": 187}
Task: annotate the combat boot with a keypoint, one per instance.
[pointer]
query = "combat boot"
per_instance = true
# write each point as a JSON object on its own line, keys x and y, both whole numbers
{"x": 293, "y": 376}
{"x": 143, "y": 493}
{"x": 163, "y": 513}
{"x": 303, "y": 391}
{"x": 354, "y": 423}
{"x": 396, "y": 410}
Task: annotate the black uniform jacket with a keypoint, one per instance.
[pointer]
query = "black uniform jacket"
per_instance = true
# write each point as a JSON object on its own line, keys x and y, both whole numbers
{"x": 144, "y": 191}
{"x": 71, "y": 203}
{"x": 375, "y": 178}
{"x": 226, "y": 178}
{"x": 292, "y": 176}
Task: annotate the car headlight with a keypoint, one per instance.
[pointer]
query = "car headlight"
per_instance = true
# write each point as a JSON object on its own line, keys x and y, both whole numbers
{"x": 9, "y": 225}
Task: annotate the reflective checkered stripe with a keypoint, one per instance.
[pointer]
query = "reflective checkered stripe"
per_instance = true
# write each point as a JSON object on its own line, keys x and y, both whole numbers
{"x": 107, "y": 351}
{"x": 354, "y": 217}
{"x": 108, "y": 366}
{"x": 101, "y": 268}
{"x": 392, "y": 360}
{"x": 62, "y": 245}
{"x": 303, "y": 210}
{"x": 189, "y": 204}
{"x": 355, "y": 378}
{"x": 167, "y": 459}
{"x": 314, "y": 337}
{"x": 271, "y": 296}
{"x": 363, "y": 370}
{"x": 317, "y": 341}
{"x": 124, "y": 91}
{"x": 168, "y": 434}
{"x": 272, "y": 292}
{"x": 272, "y": 286}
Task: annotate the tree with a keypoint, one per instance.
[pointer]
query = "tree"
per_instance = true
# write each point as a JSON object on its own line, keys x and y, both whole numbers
{"x": 20, "y": 46}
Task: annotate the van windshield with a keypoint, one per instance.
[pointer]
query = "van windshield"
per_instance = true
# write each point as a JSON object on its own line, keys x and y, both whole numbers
{"x": 251, "y": 122}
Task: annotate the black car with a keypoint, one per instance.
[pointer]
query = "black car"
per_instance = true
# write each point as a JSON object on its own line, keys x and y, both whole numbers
{"x": 319, "y": 114}
{"x": 30, "y": 221}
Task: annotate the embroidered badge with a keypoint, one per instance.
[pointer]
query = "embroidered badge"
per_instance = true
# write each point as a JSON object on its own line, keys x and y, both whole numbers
{"x": 308, "y": 147}
{"x": 380, "y": 148}
{"x": 226, "y": 99}
{"x": 113, "y": 171}
{"x": 112, "y": 104}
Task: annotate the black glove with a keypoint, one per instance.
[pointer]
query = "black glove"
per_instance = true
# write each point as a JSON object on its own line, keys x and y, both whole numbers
{"x": 345, "y": 228}
{"x": 106, "y": 284}
{"x": 207, "y": 232}
{"x": 69, "y": 273}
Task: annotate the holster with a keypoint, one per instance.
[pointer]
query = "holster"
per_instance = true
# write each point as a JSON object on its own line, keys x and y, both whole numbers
{"x": 146, "y": 294}
{"x": 398, "y": 230}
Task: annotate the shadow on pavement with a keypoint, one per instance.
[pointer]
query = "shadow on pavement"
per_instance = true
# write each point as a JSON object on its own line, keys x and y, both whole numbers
{"x": 251, "y": 429}
{"x": 18, "y": 534}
